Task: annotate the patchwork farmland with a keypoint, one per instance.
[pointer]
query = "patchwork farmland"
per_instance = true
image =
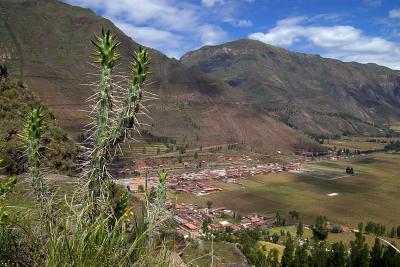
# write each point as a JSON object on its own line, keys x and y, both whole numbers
{"x": 367, "y": 195}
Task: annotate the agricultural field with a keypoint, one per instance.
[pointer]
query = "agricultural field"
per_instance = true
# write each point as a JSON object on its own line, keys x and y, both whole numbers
{"x": 395, "y": 126}
{"x": 359, "y": 143}
{"x": 323, "y": 188}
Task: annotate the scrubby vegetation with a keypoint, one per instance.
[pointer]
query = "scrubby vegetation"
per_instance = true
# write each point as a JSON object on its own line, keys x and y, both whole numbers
{"x": 16, "y": 100}
{"x": 95, "y": 226}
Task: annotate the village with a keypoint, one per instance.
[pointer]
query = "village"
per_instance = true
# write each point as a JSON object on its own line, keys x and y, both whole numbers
{"x": 194, "y": 221}
{"x": 200, "y": 181}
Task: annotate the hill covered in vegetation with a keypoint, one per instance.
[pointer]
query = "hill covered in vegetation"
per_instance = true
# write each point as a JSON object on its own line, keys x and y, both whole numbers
{"x": 16, "y": 100}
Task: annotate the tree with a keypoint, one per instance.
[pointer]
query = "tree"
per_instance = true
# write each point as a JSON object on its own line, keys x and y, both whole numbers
{"x": 390, "y": 257}
{"x": 275, "y": 238}
{"x": 393, "y": 233}
{"x": 300, "y": 229}
{"x": 359, "y": 252}
{"x": 320, "y": 231}
{"x": 209, "y": 204}
{"x": 287, "y": 257}
{"x": 338, "y": 255}
{"x": 278, "y": 218}
{"x": 294, "y": 214}
{"x": 319, "y": 255}
{"x": 195, "y": 155}
{"x": 301, "y": 257}
{"x": 376, "y": 254}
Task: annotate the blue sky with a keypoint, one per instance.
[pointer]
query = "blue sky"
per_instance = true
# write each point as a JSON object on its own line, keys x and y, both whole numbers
{"x": 366, "y": 31}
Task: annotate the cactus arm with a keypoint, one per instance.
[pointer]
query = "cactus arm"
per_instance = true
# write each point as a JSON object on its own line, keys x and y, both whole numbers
{"x": 131, "y": 104}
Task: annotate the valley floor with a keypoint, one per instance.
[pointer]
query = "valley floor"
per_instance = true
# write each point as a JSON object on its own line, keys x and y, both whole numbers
{"x": 320, "y": 188}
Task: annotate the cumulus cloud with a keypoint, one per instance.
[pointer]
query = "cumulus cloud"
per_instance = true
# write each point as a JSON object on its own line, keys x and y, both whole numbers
{"x": 167, "y": 25}
{"x": 339, "y": 41}
{"x": 394, "y": 14}
{"x": 211, "y": 35}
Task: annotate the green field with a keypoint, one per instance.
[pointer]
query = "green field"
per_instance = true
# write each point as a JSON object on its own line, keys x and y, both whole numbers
{"x": 371, "y": 194}
{"x": 360, "y": 143}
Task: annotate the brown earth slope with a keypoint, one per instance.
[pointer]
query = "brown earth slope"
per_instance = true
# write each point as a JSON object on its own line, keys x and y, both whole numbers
{"x": 311, "y": 93}
{"x": 46, "y": 43}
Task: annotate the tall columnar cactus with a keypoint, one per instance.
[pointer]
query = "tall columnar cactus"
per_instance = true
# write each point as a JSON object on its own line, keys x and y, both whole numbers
{"x": 33, "y": 130}
{"x": 112, "y": 121}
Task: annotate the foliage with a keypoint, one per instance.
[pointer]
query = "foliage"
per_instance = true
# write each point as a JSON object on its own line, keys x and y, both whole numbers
{"x": 393, "y": 146}
{"x": 320, "y": 231}
{"x": 359, "y": 255}
{"x": 288, "y": 253}
{"x": 300, "y": 229}
{"x": 16, "y": 100}
{"x": 5, "y": 188}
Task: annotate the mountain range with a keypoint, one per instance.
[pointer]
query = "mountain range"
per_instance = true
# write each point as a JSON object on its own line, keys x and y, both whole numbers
{"x": 313, "y": 94}
{"x": 244, "y": 91}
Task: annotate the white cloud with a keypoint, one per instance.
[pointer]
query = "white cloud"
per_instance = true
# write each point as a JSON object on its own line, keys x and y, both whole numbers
{"x": 394, "y": 14}
{"x": 167, "y": 25}
{"x": 211, "y": 35}
{"x": 340, "y": 41}
{"x": 154, "y": 38}
{"x": 244, "y": 23}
